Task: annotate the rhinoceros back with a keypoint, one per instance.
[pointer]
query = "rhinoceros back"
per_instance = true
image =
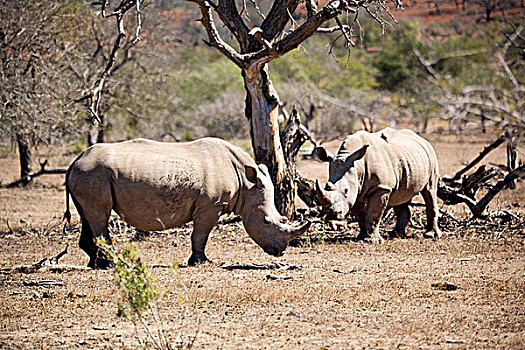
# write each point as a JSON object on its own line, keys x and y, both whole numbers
{"x": 155, "y": 185}
{"x": 398, "y": 159}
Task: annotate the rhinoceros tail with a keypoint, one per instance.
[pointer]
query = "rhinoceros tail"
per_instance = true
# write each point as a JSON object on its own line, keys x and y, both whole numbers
{"x": 67, "y": 214}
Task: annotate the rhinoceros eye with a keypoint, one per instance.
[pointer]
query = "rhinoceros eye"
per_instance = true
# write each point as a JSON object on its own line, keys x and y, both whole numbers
{"x": 345, "y": 191}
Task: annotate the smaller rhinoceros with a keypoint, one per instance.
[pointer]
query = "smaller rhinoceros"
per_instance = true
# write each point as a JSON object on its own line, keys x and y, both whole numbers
{"x": 373, "y": 171}
{"x": 156, "y": 186}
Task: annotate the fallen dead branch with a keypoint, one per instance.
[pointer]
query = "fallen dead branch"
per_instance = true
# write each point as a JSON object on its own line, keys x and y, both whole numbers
{"x": 268, "y": 266}
{"x": 42, "y": 266}
{"x": 27, "y": 179}
{"x": 27, "y": 269}
{"x": 463, "y": 188}
{"x": 278, "y": 277}
{"x": 447, "y": 286}
{"x": 345, "y": 272}
{"x": 452, "y": 195}
{"x": 54, "y": 259}
{"x": 486, "y": 150}
{"x": 519, "y": 172}
{"x": 42, "y": 283}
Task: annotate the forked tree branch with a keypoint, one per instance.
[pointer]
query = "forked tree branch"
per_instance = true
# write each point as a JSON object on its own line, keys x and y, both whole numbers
{"x": 230, "y": 16}
{"x": 215, "y": 39}
{"x": 95, "y": 93}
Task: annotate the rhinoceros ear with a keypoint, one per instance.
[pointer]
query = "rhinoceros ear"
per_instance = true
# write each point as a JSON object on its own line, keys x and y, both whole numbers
{"x": 264, "y": 169}
{"x": 360, "y": 153}
{"x": 251, "y": 173}
{"x": 323, "y": 154}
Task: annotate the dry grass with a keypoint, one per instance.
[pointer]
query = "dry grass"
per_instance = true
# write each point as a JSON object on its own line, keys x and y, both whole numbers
{"x": 384, "y": 300}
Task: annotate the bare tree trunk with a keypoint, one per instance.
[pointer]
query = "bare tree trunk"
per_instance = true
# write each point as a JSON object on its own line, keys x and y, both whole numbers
{"x": 438, "y": 10}
{"x": 96, "y": 131}
{"x": 425, "y": 124}
{"x": 262, "y": 108}
{"x": 511, "y": 156}
{"x": 25, "y": 155}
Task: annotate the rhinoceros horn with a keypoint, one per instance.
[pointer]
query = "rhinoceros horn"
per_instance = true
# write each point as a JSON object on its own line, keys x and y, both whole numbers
{"x": 296, "y": 232}
{"x": 330, "y": 186}
{"x": 322, "y": 196}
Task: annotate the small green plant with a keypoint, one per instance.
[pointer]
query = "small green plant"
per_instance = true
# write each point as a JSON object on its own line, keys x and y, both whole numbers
{"x": 140, "y": 295}
{"x": 322, "y": 234}
{"x": 76, "y": 147}
{"x": 187, "y": 136}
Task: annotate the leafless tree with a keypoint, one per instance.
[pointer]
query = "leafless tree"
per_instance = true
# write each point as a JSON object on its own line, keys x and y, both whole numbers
{"x": 282, "y": 28}
{"x": 490, "y": 7}
{"x": 39, "y": 41}
{"x": 499, "y": 100}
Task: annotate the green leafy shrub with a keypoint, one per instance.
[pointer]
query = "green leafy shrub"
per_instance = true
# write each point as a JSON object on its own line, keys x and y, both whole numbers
{"x": 140, "y": 295}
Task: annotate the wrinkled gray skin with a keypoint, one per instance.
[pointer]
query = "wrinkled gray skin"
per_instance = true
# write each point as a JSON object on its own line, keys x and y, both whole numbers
{"x": 373, "y": 171}
{"x": 157, "y": 186}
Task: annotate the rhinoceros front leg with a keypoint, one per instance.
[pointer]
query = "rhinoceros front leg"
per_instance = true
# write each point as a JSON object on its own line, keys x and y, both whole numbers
{"x": 402, "y": 213}
{"x": 203, "y": 222}
{"x": 377, "y": 204}
{"x": 359, "y": 211}
{"x": 430, "y": 197}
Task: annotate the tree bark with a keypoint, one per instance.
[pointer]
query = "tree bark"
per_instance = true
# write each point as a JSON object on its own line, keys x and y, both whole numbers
{"x": 511, "y": 157}
{"x": 96, "y": 131}
{"x": 25, "y": 155}
{"x": 262, "y": 109}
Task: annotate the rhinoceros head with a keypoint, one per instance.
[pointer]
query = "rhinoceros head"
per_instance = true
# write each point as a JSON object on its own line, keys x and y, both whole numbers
{"x": 262, "y": 221}
{"x": 342, "y": 188}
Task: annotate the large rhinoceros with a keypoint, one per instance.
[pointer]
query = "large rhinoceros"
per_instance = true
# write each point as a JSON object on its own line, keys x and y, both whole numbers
{"x": 373, "y": 171}
{"x": 156, "y": 186}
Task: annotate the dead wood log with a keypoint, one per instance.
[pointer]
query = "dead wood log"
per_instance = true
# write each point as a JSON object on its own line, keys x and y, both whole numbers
{"x": 511, "y": 156}
{"x": 23, "y": 181}
{"x": 472, "y": 183}
{"x": 268, "y": 266}
{"x": 42, "y": 266}
{"x": 27, "y": 269}
{"x": 452, "y": 196}
{"x": 478, "y": 209}
{"x": 486, "y": 150}
{"x": 345, "y": 272}
{"x": 306, "y": 191}
{"x": 42, "y": 283}
{"x": 293, "y": 136}
{"x": 278, "y": 277}
{"x": 54, "y": 259}
{"x": 447, "y": 286}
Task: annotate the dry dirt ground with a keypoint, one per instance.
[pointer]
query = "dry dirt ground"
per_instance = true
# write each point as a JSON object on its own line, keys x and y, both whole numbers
{"x": 344, "y": 295}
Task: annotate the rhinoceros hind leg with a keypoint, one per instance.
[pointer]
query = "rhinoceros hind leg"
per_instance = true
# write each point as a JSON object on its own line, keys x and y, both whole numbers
{"x": 197, "y": 260}
{"x": 97, "y": 258}
{"x": 402, "y": 213}
{"x": 430, "y": 197}
{"x": 203, "y": 222}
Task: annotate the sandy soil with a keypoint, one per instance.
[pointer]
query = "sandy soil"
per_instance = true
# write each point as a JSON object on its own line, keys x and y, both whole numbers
{"x": 344, "y": 295}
